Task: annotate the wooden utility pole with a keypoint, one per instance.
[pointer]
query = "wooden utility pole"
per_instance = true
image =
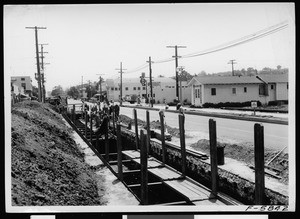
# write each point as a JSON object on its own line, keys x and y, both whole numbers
{"x": 150, "y": 78}
{"x": 43, "y": 72}
{"x": 121, "y": 72}
{"x": 37, "y": 60}
{"x": 232, "y": 63}
{"x": 100, "y": 83}
{"x": 176, "y": 66}
{"x": 180, "y": 68}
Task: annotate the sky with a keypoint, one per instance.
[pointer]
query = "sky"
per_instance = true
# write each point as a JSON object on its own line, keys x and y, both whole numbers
{"x": 89, "y": 40}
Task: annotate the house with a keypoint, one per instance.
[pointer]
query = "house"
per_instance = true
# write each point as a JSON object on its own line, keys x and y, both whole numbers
{"x": 163, "y": 89}
{"x": 217, "y": 89}
{"x": 23, "y": 82}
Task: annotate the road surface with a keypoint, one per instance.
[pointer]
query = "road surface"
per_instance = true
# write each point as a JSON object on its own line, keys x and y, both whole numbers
{"x": 228, "y": 130}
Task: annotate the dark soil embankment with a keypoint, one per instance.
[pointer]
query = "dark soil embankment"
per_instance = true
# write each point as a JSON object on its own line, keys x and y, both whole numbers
{"x": 47, "y": 166}
{"x": 242, "y": 152}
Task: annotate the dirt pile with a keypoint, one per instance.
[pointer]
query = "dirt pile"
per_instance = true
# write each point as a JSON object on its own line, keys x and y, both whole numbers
{"x": 245, "y": 153}
{"x": 47, "y": 166}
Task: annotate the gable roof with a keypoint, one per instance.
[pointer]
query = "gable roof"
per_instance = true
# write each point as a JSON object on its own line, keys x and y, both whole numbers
{"x": 239, "y": 79}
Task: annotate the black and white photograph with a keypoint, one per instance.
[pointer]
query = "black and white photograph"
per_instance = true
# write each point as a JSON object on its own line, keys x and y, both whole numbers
{"x": 166, "y": 107}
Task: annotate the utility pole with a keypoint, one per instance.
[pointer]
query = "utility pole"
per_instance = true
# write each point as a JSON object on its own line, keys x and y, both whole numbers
{"x": 43, "y": 72}
{"x": 176, "y": 66}
{"x": 150, "y": 78}
{"x": 232, "y": 63}
{"x": 37, "y": 60}
{"x": 121, "y": 72}
{"x": 180, "y": 69}
{"x": 100, "y": 85}
{"x": 81, "y": 86}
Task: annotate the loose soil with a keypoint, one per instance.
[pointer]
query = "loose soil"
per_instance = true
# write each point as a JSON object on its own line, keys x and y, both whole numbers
{"x": 47, "y": 167}
{"x": 242, "y": 152}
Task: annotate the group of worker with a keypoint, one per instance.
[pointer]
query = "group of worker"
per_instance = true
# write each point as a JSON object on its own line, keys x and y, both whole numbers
{"x": 100, "y": 113}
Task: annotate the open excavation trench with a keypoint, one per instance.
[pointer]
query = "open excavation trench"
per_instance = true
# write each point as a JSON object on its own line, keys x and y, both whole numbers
{"x": 162, "y": 191}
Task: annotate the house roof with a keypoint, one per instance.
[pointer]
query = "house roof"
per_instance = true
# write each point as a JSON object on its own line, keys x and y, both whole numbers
{"x": 239, "y": 79}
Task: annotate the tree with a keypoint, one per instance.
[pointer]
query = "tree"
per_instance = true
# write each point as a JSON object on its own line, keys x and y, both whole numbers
{"x": 184, "y": 76}
{"x": 57, "y": 91}
{"x": 35, "y": 91}
{"x": 202, "y": 73}
{"x": 278, "y": 67}
{"x": 73, "y": 92}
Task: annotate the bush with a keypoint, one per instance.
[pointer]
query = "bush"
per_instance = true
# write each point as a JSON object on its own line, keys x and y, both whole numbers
{"x": 277, "y": 102}
{"x": 229, "y": 104}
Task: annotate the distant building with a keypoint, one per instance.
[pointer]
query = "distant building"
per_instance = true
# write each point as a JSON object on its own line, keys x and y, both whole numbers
{"x": 22, "y": 82}
{"x": 216, "y": 89}
{"x": 163, "y": 89}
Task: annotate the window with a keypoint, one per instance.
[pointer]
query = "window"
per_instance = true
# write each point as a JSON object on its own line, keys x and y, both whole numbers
{"x": 233, "y": 90}
{"x": 126, "y": 88}
{"x": 213, "y": 91}
{"x": 23, "y": 85}
{"x": 22, "y": 79}
{"x": 287, "y": 86}
{"x": 272, "y": 86}
{"x": 139, "y": 88}
{"x": 112, "y": 88}
{"x": 245, "y": 89}
{"x": 153, "y": 95}
{"x": 144, "y": 88}
{"x": 263, "y": 89}
{"x": 134, "y": 88}
{"x": 116, "y": 88}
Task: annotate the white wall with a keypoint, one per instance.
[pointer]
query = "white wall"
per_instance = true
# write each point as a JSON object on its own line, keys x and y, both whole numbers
{"x": 281, "y": 91}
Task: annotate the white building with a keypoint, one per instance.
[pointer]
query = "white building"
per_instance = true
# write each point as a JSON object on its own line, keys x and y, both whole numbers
{"x": 163, "y": 89}
{"x": 217, "y": 89}
{"x": 24, "y": 84}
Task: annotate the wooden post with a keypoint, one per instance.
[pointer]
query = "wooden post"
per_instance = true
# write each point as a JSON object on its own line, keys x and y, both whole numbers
{"x": 259, "y": 161}
{"x": 91, "y": 127}
{"x": 73, "y": 114}
{"x": 106, "y": 142}
{"x": 182, "y": 143}
{"x": 148, "y": 130}
{"x": 136, "y": 129}
{"x": 144, "y": 173}
{"x": 114, "y": 122}
{"x": 163, "y": 143}
{"x": 86, "y": 120}
{"x": 213, "y": 156}
{"x": 119, "y": 152}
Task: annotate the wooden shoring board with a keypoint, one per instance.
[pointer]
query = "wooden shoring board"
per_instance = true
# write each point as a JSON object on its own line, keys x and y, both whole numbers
{"x": 151, "y": 162}
{"x": 190, "y": 192}
{"x": 165, "y": 173}
{"x": 132, "y": 154}
{"x": 208, "y": 202}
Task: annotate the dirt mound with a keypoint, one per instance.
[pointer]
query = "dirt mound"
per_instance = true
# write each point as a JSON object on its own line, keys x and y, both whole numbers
{"x": 153, "y": 125}
{"x": 47, "y": 166}
{"x": 245, "y": 153}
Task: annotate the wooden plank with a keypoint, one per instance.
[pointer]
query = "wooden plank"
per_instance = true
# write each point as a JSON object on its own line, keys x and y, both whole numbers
{"x": 213, "y": 156}
{"x": 86, "y": 136}
{"x": 91, "y": 127}
{"x": 106, "y": 141}
{"x": 149, "y": 184}
{"x": 131, "y": 154}
{"x": 151, "y": 163}
{"x": 144, "y": 167}
{"x": 119, "y": 152}
{"x": 165, "y": 174}
{"x": 259, "y": 162}
{"x": 148, "y": 129}
{"x": 163, "y": 143}
{"x": 185, "y": 190}
{"x": 209, "y": 202}
{"x": 182, "y": 143}
{"x": 136, "y": 130}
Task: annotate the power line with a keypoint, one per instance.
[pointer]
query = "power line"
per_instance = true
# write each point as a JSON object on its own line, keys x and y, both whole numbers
{"x": 257, "y": 35}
